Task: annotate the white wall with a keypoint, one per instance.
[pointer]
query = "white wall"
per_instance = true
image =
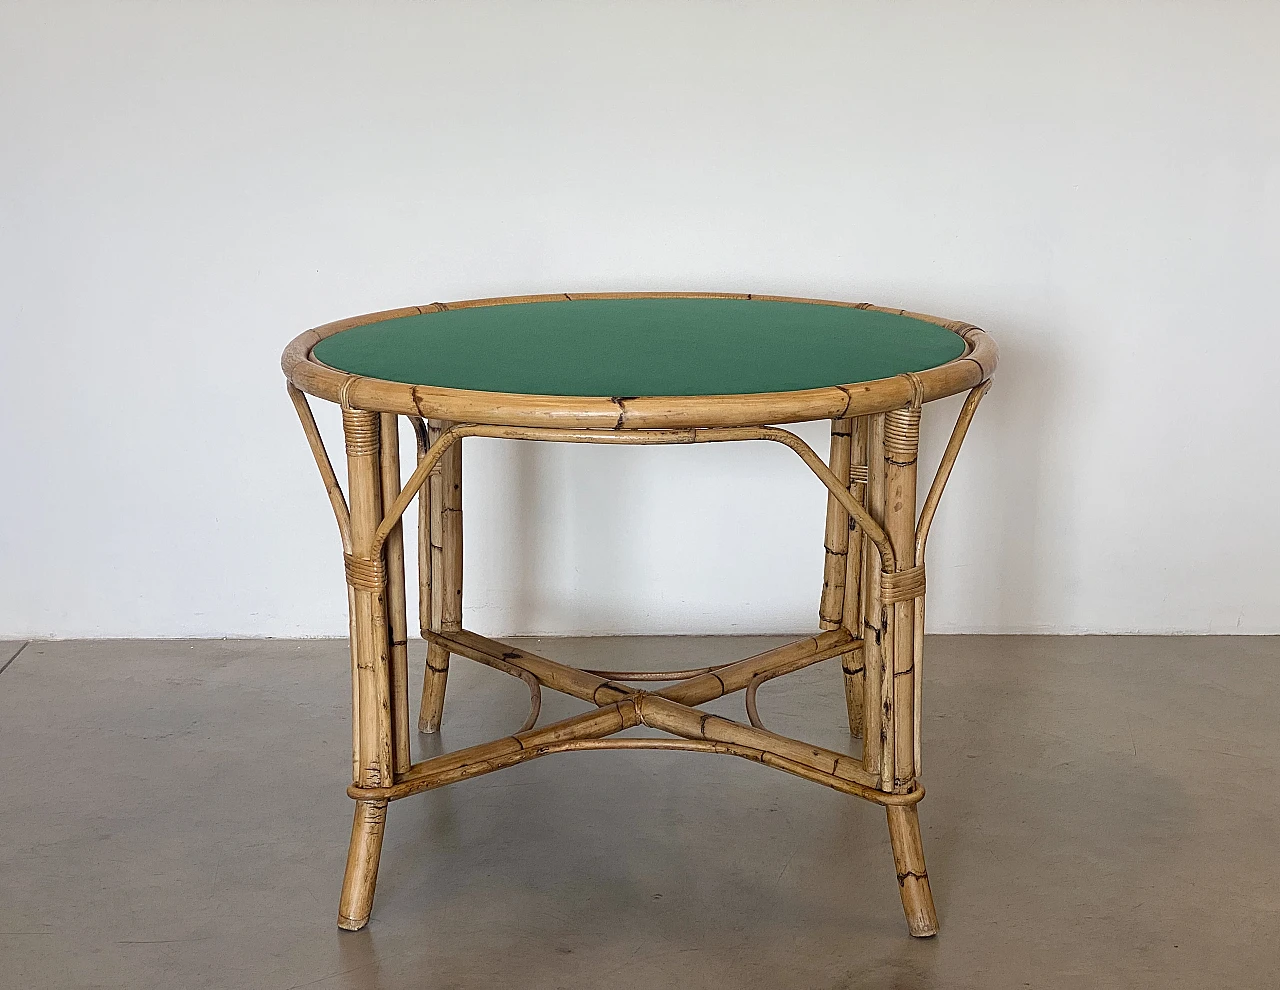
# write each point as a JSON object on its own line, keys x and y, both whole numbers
{"x": 186, "y": 186}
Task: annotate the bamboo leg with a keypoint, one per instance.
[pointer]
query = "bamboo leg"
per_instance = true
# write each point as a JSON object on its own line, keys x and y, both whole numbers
{"x": 873, "y": 708}
{"x": 913, "y": 880}
{"x": 366, "y": 577}
{"x": 901, "y": 446}
{"x": 444, "y": 529}
{"x": 437, "y": 670}
{"x": 435, "y": 674}
{"x": 451, "y": 518}
{"x": 396, "y": 605}
{"x": 424, "y": 532}
{"x": 854, "y": 664}
{"x": 355, "y": 684}
{"x": 831, "y": 608}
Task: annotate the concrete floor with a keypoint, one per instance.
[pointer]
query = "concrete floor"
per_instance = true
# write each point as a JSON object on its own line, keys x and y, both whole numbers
{"x": 1102, "y": 812}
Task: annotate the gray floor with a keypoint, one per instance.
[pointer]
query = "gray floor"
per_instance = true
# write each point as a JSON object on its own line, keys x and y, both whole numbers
{"x": 1102, "y": 812}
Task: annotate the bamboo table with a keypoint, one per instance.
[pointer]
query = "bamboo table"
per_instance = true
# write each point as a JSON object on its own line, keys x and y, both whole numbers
{"x": 632, "y": 368}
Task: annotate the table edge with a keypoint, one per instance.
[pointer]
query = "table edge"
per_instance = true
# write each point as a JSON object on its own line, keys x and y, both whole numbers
{"x": 303, "y": 370}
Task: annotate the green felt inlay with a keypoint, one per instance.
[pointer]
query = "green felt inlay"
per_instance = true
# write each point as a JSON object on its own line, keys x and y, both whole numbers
{"x": 633, "y": 347}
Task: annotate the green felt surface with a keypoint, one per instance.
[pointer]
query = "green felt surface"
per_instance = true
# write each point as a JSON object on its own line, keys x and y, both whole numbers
{"x": 634, "y": 347}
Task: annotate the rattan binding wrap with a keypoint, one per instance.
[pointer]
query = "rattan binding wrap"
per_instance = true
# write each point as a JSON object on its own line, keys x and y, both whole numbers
{"x": 902, "y": 586}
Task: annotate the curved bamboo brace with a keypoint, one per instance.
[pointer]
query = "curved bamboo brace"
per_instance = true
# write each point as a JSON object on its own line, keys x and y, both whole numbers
{"x": 532, "y": 682}
{"x": 314, "y": 441}
{"x": 946, "y": 464}
{"x": 840, "y": 489}
{"x": 753, "y": 713}
{"x": 420, "y": 431}
{"x": 535, "y": 700}
{"x": 655, "y": 675}
{"x": 709, "y": 435}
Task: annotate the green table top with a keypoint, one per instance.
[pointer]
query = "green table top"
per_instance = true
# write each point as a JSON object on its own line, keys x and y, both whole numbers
{"x": 639, "y": 347}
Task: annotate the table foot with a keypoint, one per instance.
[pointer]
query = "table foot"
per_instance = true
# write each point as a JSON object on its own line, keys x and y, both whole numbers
{"x": 913, "y": 880}
{"x": 361, "y": 877}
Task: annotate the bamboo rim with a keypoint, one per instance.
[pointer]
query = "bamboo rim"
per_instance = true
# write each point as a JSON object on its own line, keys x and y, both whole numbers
{"x": 974, "y": 366}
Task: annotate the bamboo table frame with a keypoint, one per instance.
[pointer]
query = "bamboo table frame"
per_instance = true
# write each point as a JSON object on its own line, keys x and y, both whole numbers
{"x": 871, "y": 610}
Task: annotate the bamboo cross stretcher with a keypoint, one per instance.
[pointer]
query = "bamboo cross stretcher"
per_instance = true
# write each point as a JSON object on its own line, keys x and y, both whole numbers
{"x": 871, "y": 611}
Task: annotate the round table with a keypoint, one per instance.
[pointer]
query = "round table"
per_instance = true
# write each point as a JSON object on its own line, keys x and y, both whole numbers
{"x": 638, "y": 368}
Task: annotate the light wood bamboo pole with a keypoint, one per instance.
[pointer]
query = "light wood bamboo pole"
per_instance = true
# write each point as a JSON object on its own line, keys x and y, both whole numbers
{"x": 853, "y": 664}
{"x": 366, "y": 576}
{"x": 430, "y": 552}
{"x": 475, "y": 761}
{"x": 749, "y": 698}
{"x": 917, "y": 661}
{"x": 557, "y": 676}
{"x": 382, "y": 720}
{"x": 423, "y": 493}
{"x": 901, "y": 448}
{"x": 451, "y": 524}
{"x": 398, "y": 622}
{"x": 835, "y": 564}
{"x": 660, "y": 713}
{"x": 874, "y": 721}
{"x": 943, "y": 474}
{"x": 655, "y": 675}
{"x": 867, "y": 793}
{"x": 446, "y": 470}
{"x": 872, "y": 794}
{"x": 352, "y": 640}
{"x": 435, "y": 484}
{"x": 321, "y": 456}
{"x": 363, "y": 854}
{"x": 913, "y": 879}
{"x": 736, "y": 676}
